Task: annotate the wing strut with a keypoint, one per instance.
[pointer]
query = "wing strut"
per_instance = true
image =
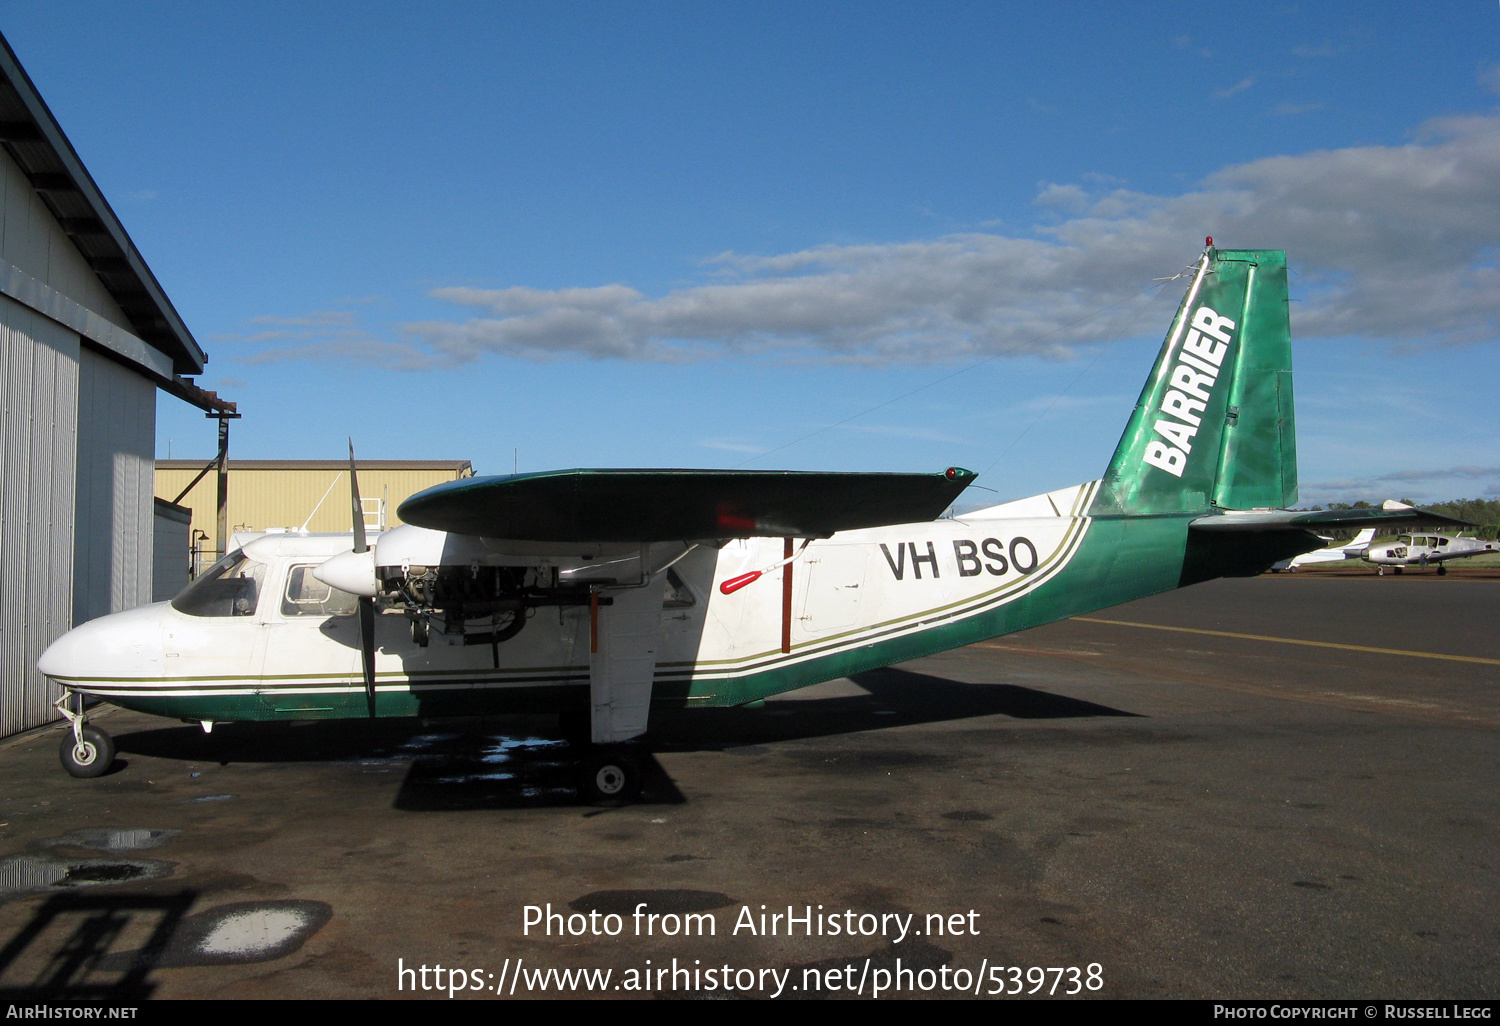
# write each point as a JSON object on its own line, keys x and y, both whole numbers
{"x": 624, "y": 639}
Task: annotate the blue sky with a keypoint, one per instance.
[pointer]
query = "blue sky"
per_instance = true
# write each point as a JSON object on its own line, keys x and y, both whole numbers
{"x": 705, "y": 234}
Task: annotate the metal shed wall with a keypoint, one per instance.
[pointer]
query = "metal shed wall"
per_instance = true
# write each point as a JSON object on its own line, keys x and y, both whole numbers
{"x": 31, "y": 239}
{"x": 86, "y": 335}
{"x": 38, "y": 448}
{"x": 169, "y": 558}
{"x": 112, "y": 568}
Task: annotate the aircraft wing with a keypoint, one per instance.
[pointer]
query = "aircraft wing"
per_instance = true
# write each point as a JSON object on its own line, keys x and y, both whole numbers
{"x": 680, "y": 505}
{"x": 1391, "y": 515}
{"x": 1442, "y": 557}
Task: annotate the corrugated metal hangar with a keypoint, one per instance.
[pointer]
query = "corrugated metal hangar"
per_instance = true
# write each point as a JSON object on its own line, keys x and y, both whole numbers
{"x": 311, "y": 495}
{"x": 87, "y": 336}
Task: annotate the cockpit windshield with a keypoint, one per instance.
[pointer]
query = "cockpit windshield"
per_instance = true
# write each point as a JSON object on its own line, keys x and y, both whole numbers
{"x": 230, "y": 587}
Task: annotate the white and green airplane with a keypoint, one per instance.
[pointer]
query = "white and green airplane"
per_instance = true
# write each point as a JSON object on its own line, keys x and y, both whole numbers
{"x": 605, "y": 594}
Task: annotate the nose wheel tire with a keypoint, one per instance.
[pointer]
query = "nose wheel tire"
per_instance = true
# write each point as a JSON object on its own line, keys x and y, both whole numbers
{"x": 89, "y": 757}
{"x": 609, "y": 777}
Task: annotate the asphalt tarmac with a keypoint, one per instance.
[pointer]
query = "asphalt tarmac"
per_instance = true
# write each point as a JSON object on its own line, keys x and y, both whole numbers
{"x": 1277, "y": 787}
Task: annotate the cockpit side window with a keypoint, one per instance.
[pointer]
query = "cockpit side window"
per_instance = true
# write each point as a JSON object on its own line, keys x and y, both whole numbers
{"x": 308, "y": 596}
{"x": 231, "y": 587}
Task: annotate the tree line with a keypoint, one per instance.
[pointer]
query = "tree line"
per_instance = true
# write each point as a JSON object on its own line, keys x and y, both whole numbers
{"x": 1484, "y": 512}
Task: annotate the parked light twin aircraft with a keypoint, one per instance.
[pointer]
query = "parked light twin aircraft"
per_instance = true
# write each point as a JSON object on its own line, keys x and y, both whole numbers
{"x": 602, "y": 594}
{"x": 1406, "y": 550}
{"x": 1427, "y": 550}
{"x": 1337, "y": 552}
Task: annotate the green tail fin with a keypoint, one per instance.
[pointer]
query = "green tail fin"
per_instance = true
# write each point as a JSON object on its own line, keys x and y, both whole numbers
{"x": 1214, "y": 424}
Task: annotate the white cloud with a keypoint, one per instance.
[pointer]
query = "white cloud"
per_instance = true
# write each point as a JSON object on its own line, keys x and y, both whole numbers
{"x": 1238, "y": 87}
{"x": 355, "y": 348}
{"x": 1427, "y": 474}
{"x": 1430, "y": 484}
{"x": 1386, "y": 243}
{"x": 315, "y": 319}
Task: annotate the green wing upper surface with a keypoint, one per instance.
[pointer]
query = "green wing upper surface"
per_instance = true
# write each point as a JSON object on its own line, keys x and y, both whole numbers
{"x": 680, "y": 505}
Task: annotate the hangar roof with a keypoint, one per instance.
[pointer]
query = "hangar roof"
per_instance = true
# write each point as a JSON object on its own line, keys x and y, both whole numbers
{"x": 32, "y": 137}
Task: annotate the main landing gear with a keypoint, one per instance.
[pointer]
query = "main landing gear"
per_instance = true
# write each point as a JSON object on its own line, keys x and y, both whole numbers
{"x": 606, "y": 774}
{"x": 85, "y": 751}
{"x": 609, "y": 775}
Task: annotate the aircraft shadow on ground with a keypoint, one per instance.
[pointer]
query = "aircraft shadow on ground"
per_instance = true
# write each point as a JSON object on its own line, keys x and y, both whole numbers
{"x": 895, "y": 698}
{"x": 517, "y": 762}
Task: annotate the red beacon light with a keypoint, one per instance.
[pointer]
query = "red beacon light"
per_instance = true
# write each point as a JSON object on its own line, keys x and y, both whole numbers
{"x": 1208, "y": 243}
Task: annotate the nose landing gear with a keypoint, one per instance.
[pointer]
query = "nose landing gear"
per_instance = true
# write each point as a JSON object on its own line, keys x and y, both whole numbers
{"x": 85, "y": 751}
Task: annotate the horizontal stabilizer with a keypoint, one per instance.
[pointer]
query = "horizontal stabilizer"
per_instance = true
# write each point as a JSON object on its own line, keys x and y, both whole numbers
{"x": 1392, "y": 515}
{"x": 680, "y": 505}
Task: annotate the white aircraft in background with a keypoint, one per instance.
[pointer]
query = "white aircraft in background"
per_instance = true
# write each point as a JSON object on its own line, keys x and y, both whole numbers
{"x": 1427, "y": 550}
{"x": 1338, "y": 552}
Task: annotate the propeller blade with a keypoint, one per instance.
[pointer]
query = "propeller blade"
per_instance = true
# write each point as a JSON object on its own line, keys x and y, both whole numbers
{"x": 357, "y": 509}
{"x": 366, "y": 604}
{"x": 367, "y": 649}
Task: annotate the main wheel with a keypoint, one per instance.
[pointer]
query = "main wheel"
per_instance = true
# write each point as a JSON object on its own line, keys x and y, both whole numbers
{"x": 90, "y": 757}
{"x": 609, "y": 777}
{"x": 1442, "y": 570}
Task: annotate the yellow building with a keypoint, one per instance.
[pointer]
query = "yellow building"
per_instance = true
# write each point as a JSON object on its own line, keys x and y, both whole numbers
{"x": 293, "y": 494}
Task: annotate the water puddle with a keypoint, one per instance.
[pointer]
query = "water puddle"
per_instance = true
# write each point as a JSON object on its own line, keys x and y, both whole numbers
{"x": 38, "y": 874}
{"x": 471, "y": 778}
{"x": 424, "y": 741}
{"x": 501, "y": 749}
{"x": 234, "y": 934}
{"x": 107, "y": 839}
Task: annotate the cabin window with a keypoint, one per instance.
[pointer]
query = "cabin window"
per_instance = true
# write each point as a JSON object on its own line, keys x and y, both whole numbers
{"x": 1442, "y": 541}
{"x": 677, "y": 594}
{"x": 308, "y": 596}
{"x": 231, "y": 587}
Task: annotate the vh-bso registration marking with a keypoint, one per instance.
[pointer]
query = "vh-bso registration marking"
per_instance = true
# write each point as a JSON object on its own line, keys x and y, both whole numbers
{"x": 970, "y": 558}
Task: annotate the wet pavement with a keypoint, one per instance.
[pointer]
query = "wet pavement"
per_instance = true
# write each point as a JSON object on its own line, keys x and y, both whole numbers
{"x": 1195, "y": 794}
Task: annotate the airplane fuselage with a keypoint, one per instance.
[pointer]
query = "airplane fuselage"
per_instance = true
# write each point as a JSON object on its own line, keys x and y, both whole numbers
{"x": 857, "y": 600}
{"x": 1427, "y": 549}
